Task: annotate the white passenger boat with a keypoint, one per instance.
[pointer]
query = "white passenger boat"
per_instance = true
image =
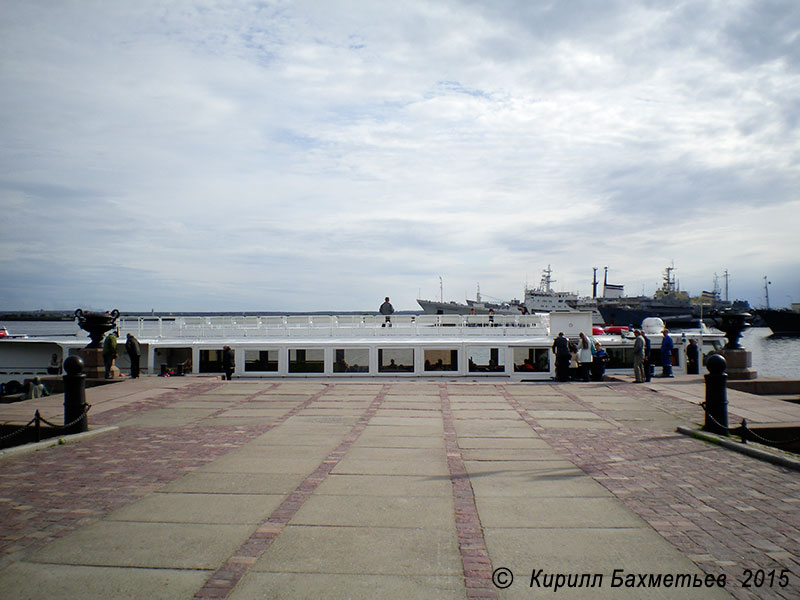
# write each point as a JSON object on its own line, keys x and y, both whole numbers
{"x": 515, "y": 347}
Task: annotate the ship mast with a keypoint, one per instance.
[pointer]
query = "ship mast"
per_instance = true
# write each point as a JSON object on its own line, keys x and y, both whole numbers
{"x": 766, "y": 290}
{"x": 546, "y": 281}
{"x": 594, "y": 282}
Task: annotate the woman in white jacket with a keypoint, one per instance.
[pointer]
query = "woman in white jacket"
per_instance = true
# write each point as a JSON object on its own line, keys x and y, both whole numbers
{"x": 584, "y": 356}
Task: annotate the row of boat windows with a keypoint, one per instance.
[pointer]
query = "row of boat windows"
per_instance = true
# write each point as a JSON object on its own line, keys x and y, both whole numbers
{"x": 400, "y": 360}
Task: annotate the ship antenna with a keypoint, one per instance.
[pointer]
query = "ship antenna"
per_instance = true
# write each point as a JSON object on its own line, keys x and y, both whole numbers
{"x": 441, "y": 290}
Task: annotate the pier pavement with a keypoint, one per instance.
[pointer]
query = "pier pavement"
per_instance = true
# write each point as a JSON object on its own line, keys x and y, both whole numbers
{"x": 201, "y": 488}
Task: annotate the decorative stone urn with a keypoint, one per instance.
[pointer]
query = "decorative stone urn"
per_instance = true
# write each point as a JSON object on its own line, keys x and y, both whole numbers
{"x": 96, "y": 324}
{"x": 739, "y": 360}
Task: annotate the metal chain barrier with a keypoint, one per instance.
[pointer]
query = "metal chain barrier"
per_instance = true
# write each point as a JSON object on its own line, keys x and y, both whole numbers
{"x": 86, "y": 408}
{"x": 20, "y": 430}
{"x": 38, "y": 419}
{"x": 747, "y": 433}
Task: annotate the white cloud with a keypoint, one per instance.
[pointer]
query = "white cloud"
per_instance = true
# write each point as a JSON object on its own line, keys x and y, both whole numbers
{"x": 306, "y": 155}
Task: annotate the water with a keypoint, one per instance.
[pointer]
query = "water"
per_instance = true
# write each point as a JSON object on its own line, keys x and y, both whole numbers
{"x": 772, "y": 356}
{"x": 45, "y": 328}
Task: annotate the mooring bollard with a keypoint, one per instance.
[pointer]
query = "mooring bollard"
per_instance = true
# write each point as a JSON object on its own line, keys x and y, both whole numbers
{"x": 716, "y": 404}
{"x": 75, "y": 420}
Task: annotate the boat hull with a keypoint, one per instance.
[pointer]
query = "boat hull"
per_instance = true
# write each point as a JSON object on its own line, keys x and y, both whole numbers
{"x": 781, "y": 322}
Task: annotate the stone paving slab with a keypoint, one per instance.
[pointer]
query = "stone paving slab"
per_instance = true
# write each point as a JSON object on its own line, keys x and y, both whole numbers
{"x": 146, "y": 545}
{"x": 467, "y": 443}
{"x": 553, "y": 483}
{"x": 574, "y": 424}
{"x": 371, "y": 440}
{"x": 363, "y": 466}
{"x": 507, "y": 428}
{"x": 564, "y": 513}
{"x": 374, "y": 511}
{"x": 234, "y": 483}
{"x": 414, "y": 430}
{"x": 365, "y": 550}
{"x": 31, "y": 581}
{"x": 382, "y": 453}
{"x": 488, "y": 467}
{"x": 248, "y": 464}
{"x": 508, "y": 454}
{"x": 313, "y": 586}
{"x": 414, "y": 486}
{"x": 180, "y": 507}
{"x": 252, "y": 412}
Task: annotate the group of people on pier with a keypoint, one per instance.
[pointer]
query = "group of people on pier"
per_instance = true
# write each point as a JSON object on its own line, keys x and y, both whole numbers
{"x": 583, "y": 360}
{"x": 643, "y": 366}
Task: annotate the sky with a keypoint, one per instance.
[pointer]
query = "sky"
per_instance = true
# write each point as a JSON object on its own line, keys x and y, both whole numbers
{"x": 321, "y": 155}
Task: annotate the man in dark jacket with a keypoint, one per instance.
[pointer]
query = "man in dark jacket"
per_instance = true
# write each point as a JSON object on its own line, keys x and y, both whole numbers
{"x": 228, "y": 362}
{"x": 132, "y": 346}
{"x": 561, "y": 350}
{"x": 386, "y": 310}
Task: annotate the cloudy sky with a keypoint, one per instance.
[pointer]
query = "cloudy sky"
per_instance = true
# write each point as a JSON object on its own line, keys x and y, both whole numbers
{"x": 320, "y": 155}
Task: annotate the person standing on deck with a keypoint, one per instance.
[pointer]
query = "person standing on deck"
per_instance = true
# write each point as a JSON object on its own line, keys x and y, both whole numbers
{"x": 132, "y": 346}
{"x": 109, "y": 352}
{"x": 638, "y": 357}
{"x": 386, "y": 310}
{"x": 666, "y": 354}
{"x": 228, "y": 362}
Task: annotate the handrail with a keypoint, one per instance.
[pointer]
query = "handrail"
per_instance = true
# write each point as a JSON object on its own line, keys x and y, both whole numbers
{"x": 335, "y": 325}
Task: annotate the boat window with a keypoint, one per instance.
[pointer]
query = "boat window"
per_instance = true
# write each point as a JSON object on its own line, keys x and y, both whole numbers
{"x": 619, "y": 358}
{"x": 261, "y": 360}
{"x": 531, "y": 359}
{"x": 441, "y": 360}
{"x": 395, "y": 360}
{"x": 486, "y": 360}
{"x": 210, "y": 360}
{"x": 351, "y": 360}
{"x": 306, "y": 360}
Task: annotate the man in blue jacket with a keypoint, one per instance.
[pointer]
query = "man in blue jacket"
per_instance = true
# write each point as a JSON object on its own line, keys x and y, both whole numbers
{"x": 666, "y": 354}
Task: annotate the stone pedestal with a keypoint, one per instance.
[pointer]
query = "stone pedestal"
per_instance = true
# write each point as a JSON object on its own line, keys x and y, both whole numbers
{"x": 739, "y": 362}
{"x": 93, "y": 366}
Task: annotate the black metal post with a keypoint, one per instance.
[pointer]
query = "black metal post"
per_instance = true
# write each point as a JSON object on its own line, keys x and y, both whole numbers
{"x": 75, "y": 396}
{"x": 37, "y": 423}
{"x": 716, "y": 396}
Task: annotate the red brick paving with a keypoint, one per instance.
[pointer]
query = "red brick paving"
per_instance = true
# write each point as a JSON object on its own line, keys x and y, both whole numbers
{"x": 471, "y": 543}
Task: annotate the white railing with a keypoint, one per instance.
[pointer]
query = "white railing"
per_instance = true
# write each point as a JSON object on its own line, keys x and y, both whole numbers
{"x": 299, "y": 326}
